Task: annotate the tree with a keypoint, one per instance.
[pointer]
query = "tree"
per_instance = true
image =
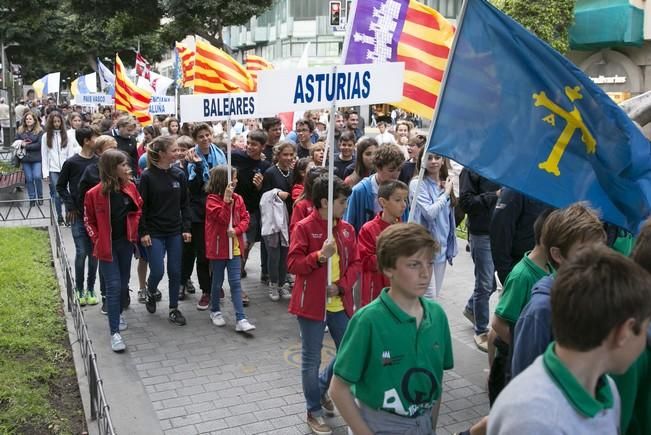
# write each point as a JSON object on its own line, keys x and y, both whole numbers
{"x": 207, "y": 18}
{"x": 550, "y": 20}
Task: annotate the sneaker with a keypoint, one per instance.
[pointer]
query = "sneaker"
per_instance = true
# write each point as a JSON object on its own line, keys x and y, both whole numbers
{"x": 182, "y": 293}
{"x": 141, "y": 295}
{"x": 189, "y": 287}
{"x": 264, "y": 277}
{"x": 81, "y": 297}
{"x": 481, "y": 341}
{"x": 217, "y": 318}
{"x": 243, "y": 326}
{"x": 273, "y": 292}
{"x": 204, "y": 302}
{"x": 243, "y": 274}
{"x": 327, "y": 405}
{"x": 104, "y": 308}
{"x": 245, "y": 299}
{"x": 469, "y": 315}
{"x": 150, "y": 302}
{"x": 61, "y": 222}
{"x": 158, "y": 295}
{"x": 285, "y": 292}
{"x": 117, "y": 343}
{"x": 318, "y": 425}
{"x": 176, "y": 317}
{"x": 91, "y": 299}
{"x": 123, "y": 323}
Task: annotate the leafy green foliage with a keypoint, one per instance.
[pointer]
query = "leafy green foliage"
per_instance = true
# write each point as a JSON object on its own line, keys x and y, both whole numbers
{"x": 32, "y": 331}
{"x": 550, "y": 20}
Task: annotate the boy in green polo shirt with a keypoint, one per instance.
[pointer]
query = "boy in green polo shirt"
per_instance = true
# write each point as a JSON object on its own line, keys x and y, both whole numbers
{"x": 635, "y": 385}
{"x": 601, "y": 307}
{"x": 389, "y": 369}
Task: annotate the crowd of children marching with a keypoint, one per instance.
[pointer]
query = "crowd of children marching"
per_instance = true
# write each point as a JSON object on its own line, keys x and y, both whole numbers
{"x": 572, "y": 313}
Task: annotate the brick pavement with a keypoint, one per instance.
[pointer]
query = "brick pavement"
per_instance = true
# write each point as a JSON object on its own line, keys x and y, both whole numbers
{"x": 204, "y": 379}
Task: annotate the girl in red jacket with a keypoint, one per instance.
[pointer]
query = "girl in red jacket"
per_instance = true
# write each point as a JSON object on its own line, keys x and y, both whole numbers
{"x": 303, "y": 206}
{"x": 112, "y": 211}
{"x": 314, "y": 302}
{"x": 222, "y": 205}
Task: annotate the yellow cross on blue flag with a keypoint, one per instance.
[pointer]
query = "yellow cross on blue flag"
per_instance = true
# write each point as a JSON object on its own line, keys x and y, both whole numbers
{"x": 519, "y": 113}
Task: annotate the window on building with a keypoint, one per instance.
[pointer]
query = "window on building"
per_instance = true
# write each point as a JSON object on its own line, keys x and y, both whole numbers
{"x": 327, "y": 49}
{"x": 308, "y": 9}
{"x": 447, "y": 8}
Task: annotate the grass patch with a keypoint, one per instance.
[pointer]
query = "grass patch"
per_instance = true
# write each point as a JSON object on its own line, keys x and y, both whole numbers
{"x": 38, "y": 386}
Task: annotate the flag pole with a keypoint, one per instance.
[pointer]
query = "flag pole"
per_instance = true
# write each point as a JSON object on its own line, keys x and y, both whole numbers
{"x": 423, "y": 161}
{"x": 230, "y": 162}
{"x": 331, "y": 174}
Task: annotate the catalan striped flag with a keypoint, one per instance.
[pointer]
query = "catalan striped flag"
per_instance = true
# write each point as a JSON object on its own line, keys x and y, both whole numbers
{"x": 403, "y": 31}
{"x": 129, "y": 97}
{"x": 256, "y": 63}
{"x": 187, "y": 64}
{"x": 216, "y": 72}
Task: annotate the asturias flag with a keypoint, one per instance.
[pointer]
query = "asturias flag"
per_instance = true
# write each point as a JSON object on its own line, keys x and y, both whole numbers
{"x": 519, "y": 113}
{"x": 48, "y": 84}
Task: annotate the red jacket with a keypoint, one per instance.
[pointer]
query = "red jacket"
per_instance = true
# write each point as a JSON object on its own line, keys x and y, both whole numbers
{"x": 373, "y": 281}
{"x": 309, "y": 293}
{"x": 97, "y": 219}
{"x": 218, "y": 215}
{"x": 297, "y": 189}
{"x": 302, "y": 209}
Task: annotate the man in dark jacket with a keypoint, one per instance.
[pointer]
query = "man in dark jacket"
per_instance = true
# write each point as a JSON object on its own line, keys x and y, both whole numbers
{"x": 511, "y": 229}
{"x": 477, "y": 198}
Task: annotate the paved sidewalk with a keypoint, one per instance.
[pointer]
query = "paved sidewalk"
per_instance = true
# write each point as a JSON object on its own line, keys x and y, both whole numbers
{"x": 203, "y": 379}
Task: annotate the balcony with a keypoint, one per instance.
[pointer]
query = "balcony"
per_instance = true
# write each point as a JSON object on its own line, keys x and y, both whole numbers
{"x": 606, "y": 23}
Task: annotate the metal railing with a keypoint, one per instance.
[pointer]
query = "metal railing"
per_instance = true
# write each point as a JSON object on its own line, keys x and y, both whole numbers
{"x": 99, "y": 408}
{"x": 15, "y": 210}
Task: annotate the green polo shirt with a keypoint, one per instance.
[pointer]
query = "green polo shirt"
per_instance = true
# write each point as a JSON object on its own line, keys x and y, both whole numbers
{"x": 517, "y": 289}
{"x": 580, "y": 399}
{"x": 635, "y": 391}
{"x": 390, "y": 363}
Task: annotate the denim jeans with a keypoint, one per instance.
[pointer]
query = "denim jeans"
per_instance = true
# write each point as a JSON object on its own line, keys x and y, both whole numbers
{"x": 33, "y": 180}
{"x": 83, "y": 251}
{"x": 54, "y": 178}
{"x": 233, "y": 266}
{"x": 315, "y": 384}
{"x": 116, "y": 278}
{"x": 480, "y": 250}
{"x": 173, "y": 245}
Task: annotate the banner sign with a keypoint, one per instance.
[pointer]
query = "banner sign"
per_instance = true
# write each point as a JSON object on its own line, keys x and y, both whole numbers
{"x": 317, "y": 88}
{"x": 220, "y": 107}
{"x": 92, "y": 100}
{"x": 162, "y": 105}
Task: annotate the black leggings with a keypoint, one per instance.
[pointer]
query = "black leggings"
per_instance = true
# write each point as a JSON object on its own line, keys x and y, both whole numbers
{"x": 203, "y": 265}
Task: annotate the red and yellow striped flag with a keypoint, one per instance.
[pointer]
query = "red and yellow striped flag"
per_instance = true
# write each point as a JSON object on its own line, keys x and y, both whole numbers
{"x": 187, "y": 64}
{"x": 256, "y": 63}
{"x": 216, "y": 72}
{"x": 424, "y": 47}
{"x": 129, "y": 97}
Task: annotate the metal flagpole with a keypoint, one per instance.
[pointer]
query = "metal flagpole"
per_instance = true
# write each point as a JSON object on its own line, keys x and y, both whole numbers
{"x": 230, "y": 161}
{"x": 331, "y": 175}
{"x": 423, "y": 161}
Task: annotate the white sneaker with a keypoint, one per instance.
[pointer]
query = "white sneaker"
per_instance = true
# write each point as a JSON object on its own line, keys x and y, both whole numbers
{"x": 273, "y": 292}
{"x": 217, "y": 318}
{"x": 117, "y": 343}
{"x": 123, "y": 323}
{"x": 285, "y": 291}
{"x": 244, "y": 326}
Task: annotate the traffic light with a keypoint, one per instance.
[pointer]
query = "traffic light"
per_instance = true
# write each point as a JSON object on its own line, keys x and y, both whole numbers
{"x": 335, "y": 13}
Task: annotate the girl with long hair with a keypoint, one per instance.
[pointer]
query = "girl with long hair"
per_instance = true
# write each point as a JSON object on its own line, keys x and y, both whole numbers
{"x": 279, "y": 179}
{"x": 165, "y": 222}
{"x": 435, "y": 202}
{"x": 226, "y": 220}
{"x": 112, "y": 212}
{"x": 74, "y": 122}
{"x": 30, "y": 133}
{"x": 171, "y": 127}
{"x": 363, "y": 166}
{"x": 54, "y": 151}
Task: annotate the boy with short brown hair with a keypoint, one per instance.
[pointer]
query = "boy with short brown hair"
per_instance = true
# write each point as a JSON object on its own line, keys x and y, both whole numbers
{"x": 399, "y": 339}
{"x": 600, "y": 308}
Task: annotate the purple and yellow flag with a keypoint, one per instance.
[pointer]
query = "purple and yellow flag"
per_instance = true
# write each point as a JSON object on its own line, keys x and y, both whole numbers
{"x": 403, "y": 31}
